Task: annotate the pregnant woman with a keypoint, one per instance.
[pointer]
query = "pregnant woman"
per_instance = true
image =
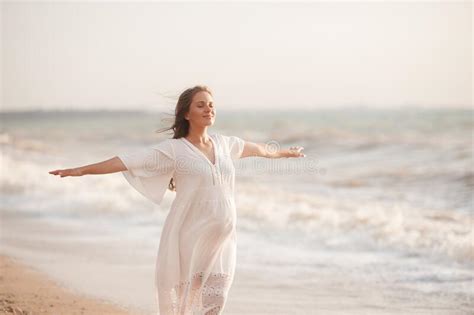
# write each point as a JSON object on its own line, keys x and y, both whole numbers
{"x": 197, "y": 251}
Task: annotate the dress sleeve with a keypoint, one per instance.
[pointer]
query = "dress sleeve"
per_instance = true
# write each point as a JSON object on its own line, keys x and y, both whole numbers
{"x": 235, "y": 146}
{"x": 150, "y": 169}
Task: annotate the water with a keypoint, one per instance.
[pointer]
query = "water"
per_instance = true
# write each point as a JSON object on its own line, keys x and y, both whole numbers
{"x": 384, "y": 197}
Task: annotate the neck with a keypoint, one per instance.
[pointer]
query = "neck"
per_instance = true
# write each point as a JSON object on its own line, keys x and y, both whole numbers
{"x": 198, "y": 135}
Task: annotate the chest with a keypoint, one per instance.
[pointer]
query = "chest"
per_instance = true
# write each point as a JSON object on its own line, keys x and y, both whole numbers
{"x": 208, "y": 152}
{"x": 203, "y": 162}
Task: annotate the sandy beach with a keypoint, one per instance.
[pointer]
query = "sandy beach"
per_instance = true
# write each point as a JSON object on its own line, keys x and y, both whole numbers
{"x": 24, "y": 290}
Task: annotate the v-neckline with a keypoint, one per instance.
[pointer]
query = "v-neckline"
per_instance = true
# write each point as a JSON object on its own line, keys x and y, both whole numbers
{"x": 214, "y": 150}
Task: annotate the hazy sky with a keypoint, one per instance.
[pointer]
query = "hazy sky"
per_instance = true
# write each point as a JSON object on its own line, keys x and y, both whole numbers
{"x": 252, "y": 55}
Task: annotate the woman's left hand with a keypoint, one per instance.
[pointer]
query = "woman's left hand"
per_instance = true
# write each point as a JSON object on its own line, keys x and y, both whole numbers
{"x": 294, "y": 152}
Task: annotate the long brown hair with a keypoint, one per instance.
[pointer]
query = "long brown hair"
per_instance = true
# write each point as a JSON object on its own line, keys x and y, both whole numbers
{"x": 180, "y": 125}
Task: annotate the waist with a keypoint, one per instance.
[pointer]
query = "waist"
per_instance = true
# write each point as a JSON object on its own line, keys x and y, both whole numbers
{"x": 206, "y": 191}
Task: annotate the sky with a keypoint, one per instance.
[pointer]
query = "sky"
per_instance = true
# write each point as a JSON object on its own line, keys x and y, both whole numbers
{"x": 252, "y": 55}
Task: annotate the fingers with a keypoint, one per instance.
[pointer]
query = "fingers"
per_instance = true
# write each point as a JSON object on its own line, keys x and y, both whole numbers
{"x": 298, "y": 149}
{"x": 58, "y": 172}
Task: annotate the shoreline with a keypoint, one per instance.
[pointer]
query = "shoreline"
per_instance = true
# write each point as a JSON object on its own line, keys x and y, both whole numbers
{"x": 108, "y": 273}
{"x": 26, "y": 291}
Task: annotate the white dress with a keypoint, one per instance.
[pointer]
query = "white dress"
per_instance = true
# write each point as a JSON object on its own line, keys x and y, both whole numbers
{"x": 197, "y": 252}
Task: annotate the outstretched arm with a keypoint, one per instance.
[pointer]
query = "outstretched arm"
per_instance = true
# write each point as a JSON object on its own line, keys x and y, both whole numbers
{"x": 262, "y": 150}
{"x": 112, "y": 165}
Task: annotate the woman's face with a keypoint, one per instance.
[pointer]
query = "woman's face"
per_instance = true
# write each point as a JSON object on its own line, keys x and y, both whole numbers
{"x": 201, "y": 111}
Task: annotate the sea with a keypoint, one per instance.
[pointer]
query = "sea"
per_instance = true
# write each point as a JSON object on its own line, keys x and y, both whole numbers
{"x": 382, "y": 199}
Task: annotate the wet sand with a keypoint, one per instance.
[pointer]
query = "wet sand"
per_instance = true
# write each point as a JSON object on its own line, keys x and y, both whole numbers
{"x": 24, "y": 290}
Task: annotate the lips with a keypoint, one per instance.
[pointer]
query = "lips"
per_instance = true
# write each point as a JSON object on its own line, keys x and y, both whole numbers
{"x": 207, "y": 116}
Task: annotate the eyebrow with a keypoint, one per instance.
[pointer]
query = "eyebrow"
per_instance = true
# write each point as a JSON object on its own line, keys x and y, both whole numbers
{"x": 203, "y": 102}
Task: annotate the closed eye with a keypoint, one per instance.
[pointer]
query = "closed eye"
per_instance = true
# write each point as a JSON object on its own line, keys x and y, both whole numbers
{"x": 202, "y": 102}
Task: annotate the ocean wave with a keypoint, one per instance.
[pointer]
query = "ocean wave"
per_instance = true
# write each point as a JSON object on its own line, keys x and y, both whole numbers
{"x": 425, "y": 231}
{"x": 25, "y": 144}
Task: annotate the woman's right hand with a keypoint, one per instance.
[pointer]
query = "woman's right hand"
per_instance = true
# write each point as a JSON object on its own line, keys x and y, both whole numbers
{"x": 67, "y": 172}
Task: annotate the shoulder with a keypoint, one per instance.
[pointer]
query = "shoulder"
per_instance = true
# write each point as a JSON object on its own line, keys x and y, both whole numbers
{"x": 166, "y": 146}
{"x": 221, "y": 136}
{"x": 225, "y": 139}
{"x": 231, "y": 141}
{"x": 217, "y": 136}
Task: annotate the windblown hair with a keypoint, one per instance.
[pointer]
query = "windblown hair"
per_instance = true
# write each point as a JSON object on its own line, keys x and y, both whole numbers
{"x": 180, "y": 125}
